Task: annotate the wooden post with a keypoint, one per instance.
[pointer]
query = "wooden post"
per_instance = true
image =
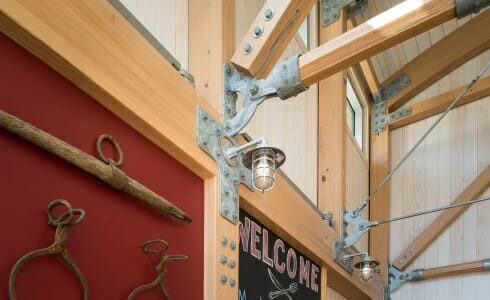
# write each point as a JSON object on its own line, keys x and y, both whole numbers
{"x": 379, "y": 207}
{"x": 211, "y": 44}
{"x": 332, "y": 133}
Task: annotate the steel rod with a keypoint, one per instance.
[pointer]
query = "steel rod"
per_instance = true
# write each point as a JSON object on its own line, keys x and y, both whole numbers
{"x": 109, "y": 174}
{"x": 409, "y": 153}
{"x": 430, "y": 211}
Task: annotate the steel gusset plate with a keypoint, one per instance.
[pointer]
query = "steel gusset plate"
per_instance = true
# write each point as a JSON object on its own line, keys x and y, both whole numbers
{"x": 212, "y": 138}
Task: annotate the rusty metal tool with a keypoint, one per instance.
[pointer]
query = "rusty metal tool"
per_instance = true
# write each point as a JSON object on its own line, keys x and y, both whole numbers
{"x": 62, "y": 223}
{"x": 161, "y": 268}
{"x": 109, "y": 173}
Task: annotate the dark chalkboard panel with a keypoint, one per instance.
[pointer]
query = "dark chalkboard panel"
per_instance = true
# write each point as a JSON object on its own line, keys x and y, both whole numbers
{"x": 270, "y": 268}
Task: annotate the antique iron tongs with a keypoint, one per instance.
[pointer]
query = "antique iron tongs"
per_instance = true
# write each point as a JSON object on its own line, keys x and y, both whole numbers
{"x": 161, "y": 268}
{"x": 63, "y": 222}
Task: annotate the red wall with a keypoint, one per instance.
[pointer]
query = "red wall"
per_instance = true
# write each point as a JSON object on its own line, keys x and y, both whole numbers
{"x": 107, "y": 244}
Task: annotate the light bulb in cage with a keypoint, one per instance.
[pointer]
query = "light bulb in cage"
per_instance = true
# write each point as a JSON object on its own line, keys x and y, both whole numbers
{"x": 263, "y": 162}
{"x": 367, "y": 267}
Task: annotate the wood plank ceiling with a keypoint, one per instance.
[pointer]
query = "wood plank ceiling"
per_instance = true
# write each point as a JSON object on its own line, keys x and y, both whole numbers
{"x": 390, "y": 61}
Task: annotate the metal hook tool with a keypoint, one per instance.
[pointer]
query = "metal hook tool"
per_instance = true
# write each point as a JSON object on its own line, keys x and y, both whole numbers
{"x": 161, "y": 268}
{"x": 65, "y": 220}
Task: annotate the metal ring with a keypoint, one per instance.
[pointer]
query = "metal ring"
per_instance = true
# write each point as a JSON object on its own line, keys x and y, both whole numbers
{"x": 146, "y": 249}
{"x": 63, "y": 219}
{"x": 81, "y": 213}
{"x": 114, "y": 143}
{"x": 43, "y": 252}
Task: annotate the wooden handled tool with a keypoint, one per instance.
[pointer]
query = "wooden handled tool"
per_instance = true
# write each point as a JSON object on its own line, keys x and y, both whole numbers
{"x": 108, "y": 173}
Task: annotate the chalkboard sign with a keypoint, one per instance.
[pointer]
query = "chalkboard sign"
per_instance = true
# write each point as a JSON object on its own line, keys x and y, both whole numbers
{"x": 270, "y": 268}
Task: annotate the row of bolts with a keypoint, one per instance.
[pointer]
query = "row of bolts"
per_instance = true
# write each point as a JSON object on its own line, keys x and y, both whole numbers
{"x": 259, "y": 30}
{"x": 223, "y": 259}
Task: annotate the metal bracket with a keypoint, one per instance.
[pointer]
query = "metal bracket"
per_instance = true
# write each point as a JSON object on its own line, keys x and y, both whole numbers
{"x": 466, "y": 7}
{"x": 359, "y": 227}
{"x": 397, "y": 277}
{"x": 380, "y": 117}
{"x": 338, "y": 256}
{"x": 284, "y": 82}
{"x": 327, "y": 216}
{"x": 215, "y": 138}
{"x": 211, "y": 140}
{"x": 331, "y": 9}
{"x": 486, "y": 265}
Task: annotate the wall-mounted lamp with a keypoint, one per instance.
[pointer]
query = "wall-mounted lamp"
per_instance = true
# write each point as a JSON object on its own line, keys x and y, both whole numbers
{"x": 263, "y": 161}
{"x": 256, "y": 168}
{"x": 366, "y": 265}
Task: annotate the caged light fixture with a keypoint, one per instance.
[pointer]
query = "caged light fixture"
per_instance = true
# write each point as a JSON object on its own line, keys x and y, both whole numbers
{"x": 366, "y": 265}
{"x": 262, "y": 161}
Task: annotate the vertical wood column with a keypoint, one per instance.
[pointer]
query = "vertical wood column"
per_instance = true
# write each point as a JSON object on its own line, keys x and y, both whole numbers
{"x": 379, "y": 207}
{"x": 332, "y": 134}
{"x": 211, "y": 44}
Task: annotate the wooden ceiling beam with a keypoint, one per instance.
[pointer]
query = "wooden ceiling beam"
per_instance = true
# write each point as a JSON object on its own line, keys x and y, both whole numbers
{"x": 265, "y": 50}
{"x": 439, "y": 103}
{"x": 443, "y": 221}
{"x": 446, "y": 55}
{"x": 366, "y": 65}
{"x": 332, "y": 134}
{"x": 389, "y": 28}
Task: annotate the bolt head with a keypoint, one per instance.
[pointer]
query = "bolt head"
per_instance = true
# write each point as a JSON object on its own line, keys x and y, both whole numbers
{"x": 223, "y": 259}
{"x": 232, "y": 245}
{"x": 224, "y": 240}
{"x": 327, "y": 215}
{"x": 268, "y": 14}
{"x": 232, "y": 264}
{"x": 228, "y": 70}
{"x": 254, "y": 90}
{"x": 247, "y": 49}
{"x": 223, "y": 278}
{"x": 258, "y": 31}
{"x": 232, "y": 282}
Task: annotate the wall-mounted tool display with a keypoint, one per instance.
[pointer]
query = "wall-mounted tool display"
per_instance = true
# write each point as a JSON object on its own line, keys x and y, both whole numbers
{"x": 161, "y": 268}
{"x": 62, "y": 223}
{"x": 110, "y": 174}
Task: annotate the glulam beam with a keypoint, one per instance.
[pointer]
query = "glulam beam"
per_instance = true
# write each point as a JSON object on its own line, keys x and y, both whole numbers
{"x": 439, "y": 103}
{"x": 269, "y": 35}
{"x": 446, "y": 55}
{"x": 387, "y": 29}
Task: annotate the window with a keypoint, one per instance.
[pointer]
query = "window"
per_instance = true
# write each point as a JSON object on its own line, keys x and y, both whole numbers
{"x": 354, "y": 114}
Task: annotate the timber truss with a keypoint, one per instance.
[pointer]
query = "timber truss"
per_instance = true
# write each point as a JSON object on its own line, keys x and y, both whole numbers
{"x": 155, "y": 100}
